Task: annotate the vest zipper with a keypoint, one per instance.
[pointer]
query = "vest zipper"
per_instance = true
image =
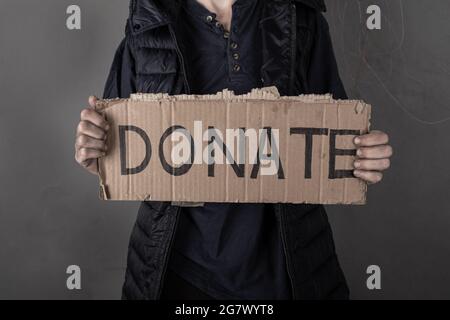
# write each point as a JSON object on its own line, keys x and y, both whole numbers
{"x": 178, "y": 209}
{"x": 293, "y": 47}
{"x": 281, "y": 210}
{"x": 167, "y": 257}
{"x": 180, "y": 57}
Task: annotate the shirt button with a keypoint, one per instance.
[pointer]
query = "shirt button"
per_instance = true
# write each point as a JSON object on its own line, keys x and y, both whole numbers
{"x": 218, "y": 24}
{"x": 209, "y": 18}
{"x": 226, "y": 35}
{"x": 237, "y": 68}
{"x": 236, "y": 56}
{"x": 234, "y": 45}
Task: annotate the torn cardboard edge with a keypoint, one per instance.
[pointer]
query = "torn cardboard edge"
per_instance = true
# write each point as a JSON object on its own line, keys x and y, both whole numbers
{"x": 165, "y": 101}
{"x": 268, "y": 93}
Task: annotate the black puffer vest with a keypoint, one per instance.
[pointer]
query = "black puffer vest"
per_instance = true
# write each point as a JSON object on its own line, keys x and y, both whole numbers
{"x": 155, "y": 64}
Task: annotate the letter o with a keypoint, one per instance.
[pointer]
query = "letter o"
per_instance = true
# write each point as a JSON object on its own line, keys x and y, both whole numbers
{"x": 166, "y": 166}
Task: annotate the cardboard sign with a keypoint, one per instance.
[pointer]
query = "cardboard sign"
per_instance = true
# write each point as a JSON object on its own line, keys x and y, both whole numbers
{"x": 254, "y": 148}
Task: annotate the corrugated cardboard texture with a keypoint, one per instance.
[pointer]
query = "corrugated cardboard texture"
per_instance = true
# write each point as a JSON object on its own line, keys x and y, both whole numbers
{"x": 293, "y": 182}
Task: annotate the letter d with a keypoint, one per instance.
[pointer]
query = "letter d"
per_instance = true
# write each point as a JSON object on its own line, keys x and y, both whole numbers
{"x": 125, "y": 171}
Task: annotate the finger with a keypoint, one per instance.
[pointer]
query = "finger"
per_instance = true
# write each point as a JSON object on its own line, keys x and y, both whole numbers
{"x": 85, "y": 154}
{"x": 91, "y": 130}
{"x": 90, "y": 165}
{"x": 377, "y": 152}
{"x": 84, "y": 141}
{"x": 374, "y": 138}
{"x": 372, "y": 165}
{"x": 92, "y": 101}
{"x": 370, "y": 177}
{"x": 94, "y": 117}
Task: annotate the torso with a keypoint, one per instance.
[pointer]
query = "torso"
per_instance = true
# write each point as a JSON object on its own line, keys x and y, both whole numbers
{"x": 230, "y": 251}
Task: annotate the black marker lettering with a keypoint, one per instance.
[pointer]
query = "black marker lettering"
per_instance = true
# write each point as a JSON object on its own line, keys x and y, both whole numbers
{"x": 123, "y": 150}
{"x": 166, "y": 166}
{"x": 340, "y": 174}
{"x": 309, "y": 133}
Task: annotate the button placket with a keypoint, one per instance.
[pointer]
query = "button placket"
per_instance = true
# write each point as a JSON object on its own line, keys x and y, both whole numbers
{"x": 233, "y": 45}
{"x": 235, "y": 55}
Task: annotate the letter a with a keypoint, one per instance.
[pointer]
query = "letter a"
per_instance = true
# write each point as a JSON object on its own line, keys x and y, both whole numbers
{"x": 74, "y": 280}
{"x": 374, "y": 281}
{"x": 73, "y": 22}
{"x": 374, "y": 21}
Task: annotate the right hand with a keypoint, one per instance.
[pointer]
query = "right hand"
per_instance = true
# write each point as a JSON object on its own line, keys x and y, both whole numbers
{"x": 91, "y": 138}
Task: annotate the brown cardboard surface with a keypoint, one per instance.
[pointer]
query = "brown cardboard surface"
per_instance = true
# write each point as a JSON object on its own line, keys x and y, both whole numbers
{"x": 297, "y": 128}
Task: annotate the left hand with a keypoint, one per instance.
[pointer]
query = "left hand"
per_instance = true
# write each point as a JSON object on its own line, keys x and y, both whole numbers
{"x": 373, "y": 156}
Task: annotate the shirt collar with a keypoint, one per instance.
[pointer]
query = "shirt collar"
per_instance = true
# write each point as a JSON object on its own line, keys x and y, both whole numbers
{"x": 198, "y": 9}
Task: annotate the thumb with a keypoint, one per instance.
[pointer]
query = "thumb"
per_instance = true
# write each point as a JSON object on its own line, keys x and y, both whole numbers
{"x": 92, "y": 101}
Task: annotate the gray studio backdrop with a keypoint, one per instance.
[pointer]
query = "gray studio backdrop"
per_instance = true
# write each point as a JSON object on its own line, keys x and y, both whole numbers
{"x": 50, "y": 217}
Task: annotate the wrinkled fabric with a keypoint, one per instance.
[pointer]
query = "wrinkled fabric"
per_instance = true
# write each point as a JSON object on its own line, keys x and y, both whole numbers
{"x": 297, "y": 57}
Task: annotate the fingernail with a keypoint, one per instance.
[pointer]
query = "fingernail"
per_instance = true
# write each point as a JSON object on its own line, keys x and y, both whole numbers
{"x": 359, "y": 152}
{"x": 357, "y": 164}
{"x": 356, "y": 173}
{"x": 357, "y": 140}
{"x": 107, "y": 127}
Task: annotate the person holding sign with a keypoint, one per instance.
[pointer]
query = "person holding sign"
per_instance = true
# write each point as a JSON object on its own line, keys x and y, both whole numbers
{"x": 229, "y": 251}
